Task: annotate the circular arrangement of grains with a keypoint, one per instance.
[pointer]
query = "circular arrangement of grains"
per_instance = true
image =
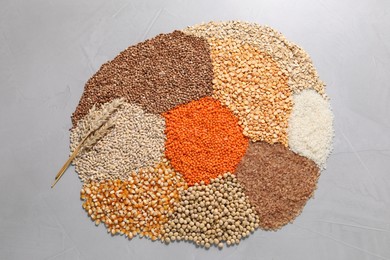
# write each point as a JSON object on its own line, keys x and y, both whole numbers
{"x": 204, "y": 135}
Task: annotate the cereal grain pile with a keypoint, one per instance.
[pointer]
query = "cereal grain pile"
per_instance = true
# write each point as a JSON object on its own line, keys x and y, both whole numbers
{"x": 203, "y": 135}
{"x": 158, "y": 74}
{"x": 140, "y": 204}
{"x": 136, "y": 141}
{"x": 310, "y": 129}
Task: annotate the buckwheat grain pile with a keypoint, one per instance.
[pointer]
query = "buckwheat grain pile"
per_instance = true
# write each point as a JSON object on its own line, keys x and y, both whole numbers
{"x": 157, "y": 75}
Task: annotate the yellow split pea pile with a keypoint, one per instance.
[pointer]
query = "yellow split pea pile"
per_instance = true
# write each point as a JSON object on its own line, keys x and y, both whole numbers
{"x": 208, "y": 134}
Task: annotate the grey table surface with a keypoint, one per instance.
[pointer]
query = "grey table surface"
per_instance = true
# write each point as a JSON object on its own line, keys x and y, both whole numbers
{"x": 48, "y": 50}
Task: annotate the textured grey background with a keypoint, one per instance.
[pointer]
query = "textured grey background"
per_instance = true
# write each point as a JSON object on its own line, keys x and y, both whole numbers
{"x": 48, "y": 50}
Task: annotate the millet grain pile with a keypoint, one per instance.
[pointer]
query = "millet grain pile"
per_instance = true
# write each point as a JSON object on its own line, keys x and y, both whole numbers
{"x": 292, "y": 59}
{"x": 212, "y": 214}
{"x": 277, "y": 181}
{"x": 157, "y": 74}
{"x": 136, "y": 141}
{"x": 250, "y": 83}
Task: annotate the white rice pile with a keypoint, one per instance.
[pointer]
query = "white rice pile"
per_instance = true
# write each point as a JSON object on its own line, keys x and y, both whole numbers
{"x": 310, "y": 130}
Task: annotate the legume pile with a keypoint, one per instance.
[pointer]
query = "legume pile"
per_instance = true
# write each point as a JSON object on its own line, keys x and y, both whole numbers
{"x": 218, "y": 129}
{"x": 251, "y": 84}
{"x": 204, "y": 140}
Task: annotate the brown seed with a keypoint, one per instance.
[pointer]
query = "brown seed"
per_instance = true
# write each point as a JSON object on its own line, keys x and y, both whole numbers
{"x": 280, "y": 188}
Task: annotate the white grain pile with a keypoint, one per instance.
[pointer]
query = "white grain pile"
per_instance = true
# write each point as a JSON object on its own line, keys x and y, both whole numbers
{"x": 310, "y": 130}
{"x": 136, "y": 141}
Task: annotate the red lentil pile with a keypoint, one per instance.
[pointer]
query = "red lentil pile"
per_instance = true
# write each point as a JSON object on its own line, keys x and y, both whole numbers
{"x": 204, "y": 140}
{"x": 223, "y": 107}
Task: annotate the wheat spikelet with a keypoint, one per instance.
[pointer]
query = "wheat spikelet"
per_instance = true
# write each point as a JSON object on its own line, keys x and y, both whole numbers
{"x": 93, "y": 129}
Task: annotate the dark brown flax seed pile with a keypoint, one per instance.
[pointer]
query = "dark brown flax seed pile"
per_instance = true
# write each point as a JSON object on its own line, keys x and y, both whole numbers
{"x": 277, "y": 181}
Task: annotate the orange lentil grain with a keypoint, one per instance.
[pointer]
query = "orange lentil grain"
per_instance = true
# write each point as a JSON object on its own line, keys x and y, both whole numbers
{"x": 204, "y": 140}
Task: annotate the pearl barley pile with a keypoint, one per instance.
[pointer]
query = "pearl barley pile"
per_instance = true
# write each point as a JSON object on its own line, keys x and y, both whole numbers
{"x": 212, "y": 132}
